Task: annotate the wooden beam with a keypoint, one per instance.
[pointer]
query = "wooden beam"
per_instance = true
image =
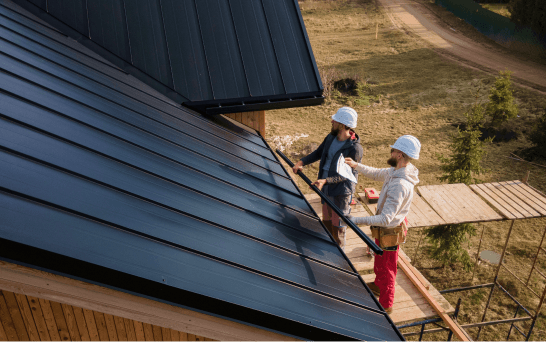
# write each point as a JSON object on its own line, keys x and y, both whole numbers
{"x": 55, "y": 288}
{"x": 410, "y": 271}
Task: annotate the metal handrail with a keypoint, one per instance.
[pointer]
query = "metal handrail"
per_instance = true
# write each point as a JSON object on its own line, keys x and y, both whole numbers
{"x": 375, "y": 248}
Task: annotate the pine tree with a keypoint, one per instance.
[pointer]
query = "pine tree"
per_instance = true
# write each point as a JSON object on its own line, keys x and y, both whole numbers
{"x": 501, "y": 106}
{"x": 460, "y": 167}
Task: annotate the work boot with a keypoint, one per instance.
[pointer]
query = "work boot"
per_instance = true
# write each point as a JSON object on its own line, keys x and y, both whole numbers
{"x": 329, "y": 226}
{"x": 341, "y": 236}
{"x": 388, "y": 310}
{"x": 374, "y": 288}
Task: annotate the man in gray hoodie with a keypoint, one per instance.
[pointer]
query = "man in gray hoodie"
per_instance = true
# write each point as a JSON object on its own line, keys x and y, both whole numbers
{"x": 392, "y": 208}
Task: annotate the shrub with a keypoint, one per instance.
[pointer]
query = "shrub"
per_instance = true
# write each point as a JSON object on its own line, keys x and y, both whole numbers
{"x": 501, "y": 106}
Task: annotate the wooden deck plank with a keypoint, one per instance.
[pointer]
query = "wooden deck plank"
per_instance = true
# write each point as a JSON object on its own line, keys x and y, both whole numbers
{"x": 38, "y": 316}
{"x": 432, "y": 216}
{"x": 485, "y": 212}
{"x": 28, "y": 318}
{"x": 516, "y": 199}
{"x": 91, "y": 325}
{"x": 101, "y": 326}
{"x": 71, "y": 322}
{"x": 60, "y": 321}
{"x": 120, "y": 328}
{"x": 7, "y": 322}
{"x": 498, "y": 205}
{"x": 523, "y": 189}
{"x": 15, "y": 313}
{"x": 500, "y": 195}
{"x": 461, "y": 209}
{"x": 525, "y": 197}
{"x": 139, "y": 331}
{"x": 183, "y": 336}
{"x": 111, "y": 327}
{"x": 130, "y": 329}
{"x": 479, "y": 210}
{"x": 437, "y": 203}
{"x": 50, "y": 319}
{"x": 538, "y": 195}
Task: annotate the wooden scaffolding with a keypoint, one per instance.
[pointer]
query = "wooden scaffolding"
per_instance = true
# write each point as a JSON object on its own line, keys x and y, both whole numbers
{"x": 416, "y": 299}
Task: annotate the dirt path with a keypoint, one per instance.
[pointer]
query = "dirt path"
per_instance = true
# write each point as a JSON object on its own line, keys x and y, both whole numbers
{"x": 412, "y": 16}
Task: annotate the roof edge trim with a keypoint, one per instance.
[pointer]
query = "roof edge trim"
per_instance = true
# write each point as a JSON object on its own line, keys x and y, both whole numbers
{"x": 250, "y": 104}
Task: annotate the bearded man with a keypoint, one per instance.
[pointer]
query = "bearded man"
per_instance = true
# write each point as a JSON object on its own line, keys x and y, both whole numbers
{"x": 389, "y": 223}
{"x": 341, "y": 140}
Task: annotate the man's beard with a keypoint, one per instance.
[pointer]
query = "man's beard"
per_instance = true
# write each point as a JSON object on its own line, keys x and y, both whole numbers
{"x": 334, "y": 131}
{"x": 392, "y": 162}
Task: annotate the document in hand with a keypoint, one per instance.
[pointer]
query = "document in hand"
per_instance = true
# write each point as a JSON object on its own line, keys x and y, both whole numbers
{"x": 345, "y": 170}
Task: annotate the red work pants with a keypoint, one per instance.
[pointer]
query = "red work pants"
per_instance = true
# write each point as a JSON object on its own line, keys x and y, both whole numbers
{"x": 385, "y": 268}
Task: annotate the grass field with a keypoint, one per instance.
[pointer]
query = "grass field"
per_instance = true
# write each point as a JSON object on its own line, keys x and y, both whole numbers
{"x": 409, "y": 89}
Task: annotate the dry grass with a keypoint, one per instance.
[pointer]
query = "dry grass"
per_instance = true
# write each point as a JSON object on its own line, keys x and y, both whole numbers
{"x": 412, "y": 90}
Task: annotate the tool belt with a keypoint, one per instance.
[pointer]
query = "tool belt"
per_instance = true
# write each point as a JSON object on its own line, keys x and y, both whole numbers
{"x": 390, "y": 237}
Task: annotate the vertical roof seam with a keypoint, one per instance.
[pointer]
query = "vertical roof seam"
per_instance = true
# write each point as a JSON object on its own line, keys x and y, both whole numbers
{"x": 204, "y": 49}
{"x": 273, "y": 46}
{"x": 166, "y": 44}
{"x": 297, "y": 51}
{"x": 240, "y": 51}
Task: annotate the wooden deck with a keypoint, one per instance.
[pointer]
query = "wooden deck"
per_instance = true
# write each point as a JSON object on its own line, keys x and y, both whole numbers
{"x": 409, "y": 304}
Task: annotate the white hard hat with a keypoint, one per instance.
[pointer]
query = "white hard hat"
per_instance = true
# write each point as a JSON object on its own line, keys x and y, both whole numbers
{"x": 408, "y": 144}
{"x": 346, "y": 116}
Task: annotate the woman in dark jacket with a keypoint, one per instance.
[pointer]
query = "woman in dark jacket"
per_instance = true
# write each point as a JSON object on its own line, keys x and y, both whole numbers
{"x": 341, "y": 140}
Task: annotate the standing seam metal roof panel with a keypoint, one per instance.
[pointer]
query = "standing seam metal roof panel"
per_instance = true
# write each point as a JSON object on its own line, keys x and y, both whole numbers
{"x": 249, "y": 54}
{"x": 107, "y": 25}
{"x": 98, "y": 181}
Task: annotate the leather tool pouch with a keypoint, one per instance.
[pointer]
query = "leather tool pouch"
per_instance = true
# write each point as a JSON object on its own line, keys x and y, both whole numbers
{"x": 390, "y": 237}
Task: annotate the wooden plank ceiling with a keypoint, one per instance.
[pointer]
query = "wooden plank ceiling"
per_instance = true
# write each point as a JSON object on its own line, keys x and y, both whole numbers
{"x": 27, "y": 318}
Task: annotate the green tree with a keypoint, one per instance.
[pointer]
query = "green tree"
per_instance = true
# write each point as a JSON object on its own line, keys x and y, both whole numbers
{"x": 460, "y": 167}
{"x": 501, "y": 106}
{"x": 538, "y": 136}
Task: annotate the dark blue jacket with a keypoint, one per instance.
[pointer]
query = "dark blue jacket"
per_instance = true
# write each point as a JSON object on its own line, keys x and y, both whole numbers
{"x": 351, "y": 148}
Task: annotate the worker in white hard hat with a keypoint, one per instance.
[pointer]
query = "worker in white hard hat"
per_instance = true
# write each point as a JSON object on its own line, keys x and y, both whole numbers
{"x": 389, "y": 224}
{"x": 341, "y": 140}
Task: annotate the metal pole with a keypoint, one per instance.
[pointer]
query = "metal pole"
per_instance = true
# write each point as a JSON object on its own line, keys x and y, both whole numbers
{"x": 477, "y": 255}
{"x": 496, "y": 277}
{"x": 455, "y": 314}
{"x": 375, "y": 248}
{"x": 536, "y": 257}
{"x": 512, "y": 325}
{"x": 537, "y": 312}
{"x": 422, "y": 330}
{"x": 418, "y": 245}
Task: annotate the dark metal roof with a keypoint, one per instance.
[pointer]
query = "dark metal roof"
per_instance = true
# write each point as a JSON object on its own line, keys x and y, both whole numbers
{"x": 104, "y": 179}
{"x": 215, "y": 56}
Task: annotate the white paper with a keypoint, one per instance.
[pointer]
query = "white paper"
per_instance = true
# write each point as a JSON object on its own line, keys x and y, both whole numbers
{"x": 344, "y": 169}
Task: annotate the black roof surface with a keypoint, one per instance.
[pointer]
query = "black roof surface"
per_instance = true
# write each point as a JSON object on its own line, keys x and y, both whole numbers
{"x": 215, "y": 56}
{"x": 104, "y": 179}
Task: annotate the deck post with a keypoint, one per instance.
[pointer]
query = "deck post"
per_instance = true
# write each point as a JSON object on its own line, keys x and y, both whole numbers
{"x": 496, "y": 277}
